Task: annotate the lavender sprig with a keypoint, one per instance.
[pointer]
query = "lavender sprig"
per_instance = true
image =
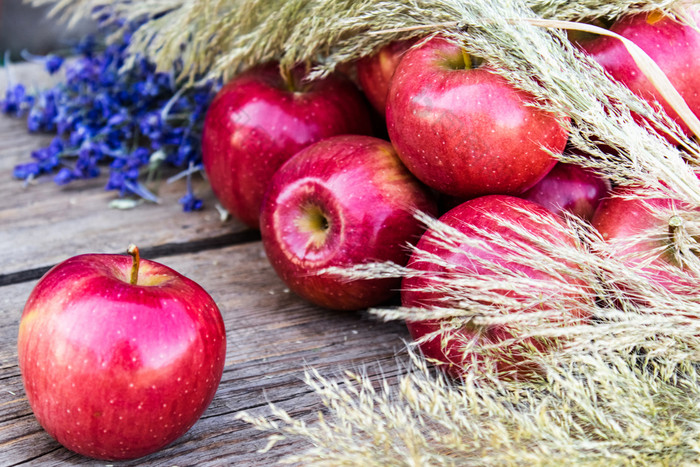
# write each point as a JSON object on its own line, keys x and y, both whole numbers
{"x": 130, "y": 120}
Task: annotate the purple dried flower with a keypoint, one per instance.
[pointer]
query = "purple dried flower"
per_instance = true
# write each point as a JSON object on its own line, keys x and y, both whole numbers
{"x": 64, "y": 176}
{"x": 17, "y": 101}
{"x": 190, "y": 202}
{"x": 26, "y": 171}
{"x": 143, "y": 155}
{"x": 53, "y": 63}
{"x": 103, "y": 113}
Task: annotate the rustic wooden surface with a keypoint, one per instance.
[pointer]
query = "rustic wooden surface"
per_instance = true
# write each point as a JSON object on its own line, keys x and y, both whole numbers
{"x": 272, "y": 335}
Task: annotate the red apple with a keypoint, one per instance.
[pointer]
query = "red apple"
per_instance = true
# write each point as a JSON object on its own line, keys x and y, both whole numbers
{"x": 119, "y": 357}
{"x": 464, "y": 130}
{"x": 341, "y": 202}
{"x": 640, "y": 231}
{"x": 673, "y": 46}
{"x": 375, "y": 71}
{"x": 259, "y": 120}
{"x": 569, "y": 187}
{"x": 466, "y": 262}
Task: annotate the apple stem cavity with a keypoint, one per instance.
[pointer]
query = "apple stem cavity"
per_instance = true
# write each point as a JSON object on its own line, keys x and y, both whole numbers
{"x": 133, "y": 250}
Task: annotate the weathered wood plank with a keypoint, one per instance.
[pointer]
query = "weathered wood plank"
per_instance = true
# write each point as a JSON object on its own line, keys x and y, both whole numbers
{"x": 31, "y": 75}
{"x": 272, "y": 335}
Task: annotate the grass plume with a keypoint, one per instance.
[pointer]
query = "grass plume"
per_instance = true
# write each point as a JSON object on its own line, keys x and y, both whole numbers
{"x": 578, "y": 416}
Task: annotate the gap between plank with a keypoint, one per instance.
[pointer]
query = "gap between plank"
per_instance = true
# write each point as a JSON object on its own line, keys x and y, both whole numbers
{"x": 153, "y": 252}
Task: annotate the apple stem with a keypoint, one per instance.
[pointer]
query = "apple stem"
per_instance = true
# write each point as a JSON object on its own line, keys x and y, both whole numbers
{"x": 467, "y": 60}
{"x": 674, "y": 223}
{"x": 133, "y": 250}
{"x": 288, "y": 78}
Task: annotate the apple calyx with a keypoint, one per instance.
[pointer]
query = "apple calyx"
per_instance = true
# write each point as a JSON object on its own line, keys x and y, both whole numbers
{"x": 314, "y": 222}
{"x": 133, "y": 251}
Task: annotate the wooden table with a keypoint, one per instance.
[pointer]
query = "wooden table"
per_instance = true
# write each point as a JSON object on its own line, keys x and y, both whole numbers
{"x": 273, "y": 336}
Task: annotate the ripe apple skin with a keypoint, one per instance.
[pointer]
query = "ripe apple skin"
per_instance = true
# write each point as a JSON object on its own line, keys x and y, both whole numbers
{"x": 256, "y": 122}
{"x": 673, "y": 46}
{"x": 114, "y": 370}
{"x": 467, "y": 132}
{"x": 375, "y": 71}
{"x": 343, "y": 201}
{"x": 449, "y": 351}
{"x": 619, "y": 220}
{"x": 569, "y": 187}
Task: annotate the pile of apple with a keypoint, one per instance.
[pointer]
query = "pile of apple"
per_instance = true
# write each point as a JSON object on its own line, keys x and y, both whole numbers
{"x": 297, "y": 160}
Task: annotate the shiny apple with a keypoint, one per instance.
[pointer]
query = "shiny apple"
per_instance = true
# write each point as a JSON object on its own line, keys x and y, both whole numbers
{"x": 569, "y": 187}
{"x": 260, "y": 119}
{"x": 341, "y": 202}
{"x": 640, "y": 231}
{"x": 675, "y": 47}
{"x": 464, "y": 130}
{"x": 458, "y": 351}
{"x": 375, "y": 71}
{"x": 119, "y": 356}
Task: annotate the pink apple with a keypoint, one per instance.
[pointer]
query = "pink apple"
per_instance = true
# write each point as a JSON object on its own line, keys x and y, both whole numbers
{"x": 569, "y": 187}
{"x": 374, "y": 72}
{"x": 638, "y": 236}
{"x": 119, "y": 357}
{"x": 457, "y": 350}
{"x": 259, "y": 120}
{"x": 673, "y": 46}
{"x": 464, "y": 130}
{"x": 344, "y": 201}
